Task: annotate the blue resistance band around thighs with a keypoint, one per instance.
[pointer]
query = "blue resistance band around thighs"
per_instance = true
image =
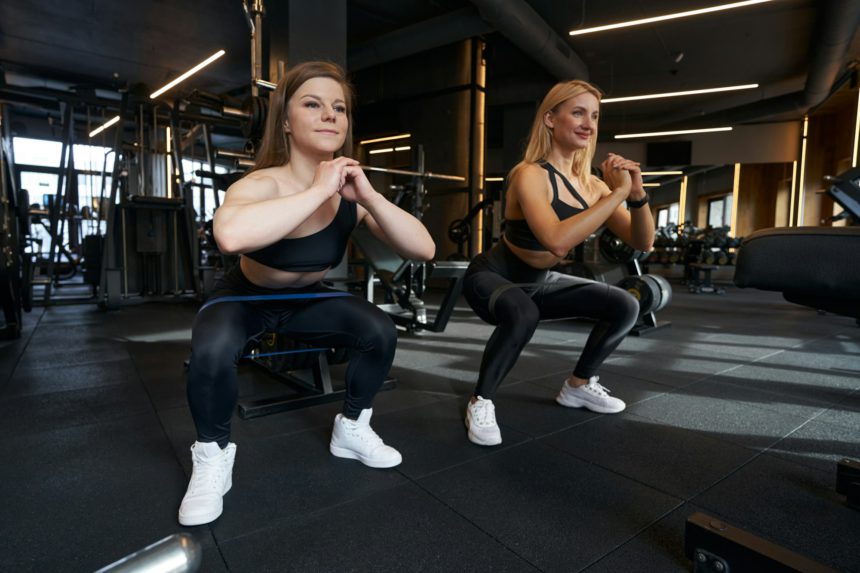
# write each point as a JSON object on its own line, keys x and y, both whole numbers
{"x": 264, "y": 297}
{"x": 259, "y": 297}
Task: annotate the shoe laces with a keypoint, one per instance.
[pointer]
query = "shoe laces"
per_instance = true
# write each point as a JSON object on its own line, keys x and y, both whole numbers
{"x": 596, "y": 388}
{"x": 484, "y": 413}
{"x": 364, "y": 433}
{"x": 207, "y": 474}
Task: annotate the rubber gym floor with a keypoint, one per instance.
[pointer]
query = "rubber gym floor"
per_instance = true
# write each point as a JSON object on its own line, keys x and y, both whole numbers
{"x": 740, "y": 409}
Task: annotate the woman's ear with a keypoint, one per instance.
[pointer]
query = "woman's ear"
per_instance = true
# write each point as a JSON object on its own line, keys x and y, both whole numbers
{"x": 286, "y": 126}
{"x": 548, "y": 119}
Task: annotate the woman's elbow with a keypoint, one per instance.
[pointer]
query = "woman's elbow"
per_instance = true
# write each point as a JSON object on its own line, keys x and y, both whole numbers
{"x": 559, "y": 250}
{"x": 228, "y": 243}
{"x": 427, "y": 252}
{"x": 645, "y": 246}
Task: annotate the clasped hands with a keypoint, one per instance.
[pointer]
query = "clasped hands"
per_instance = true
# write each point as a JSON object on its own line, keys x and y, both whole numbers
{"x": 344, "y": 175}
{"x": 623, "y": 176}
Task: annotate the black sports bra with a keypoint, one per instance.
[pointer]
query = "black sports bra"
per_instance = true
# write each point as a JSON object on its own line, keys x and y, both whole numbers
{"x": 517, "y": 231}
{"x": 315, "y": 252}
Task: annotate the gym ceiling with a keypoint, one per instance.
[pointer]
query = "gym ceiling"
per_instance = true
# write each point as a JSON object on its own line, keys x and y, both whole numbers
{"x": 789, "y": 47}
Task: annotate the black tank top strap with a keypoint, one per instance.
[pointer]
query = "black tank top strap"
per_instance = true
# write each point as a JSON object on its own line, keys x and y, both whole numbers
{"x": 551, "y": 169}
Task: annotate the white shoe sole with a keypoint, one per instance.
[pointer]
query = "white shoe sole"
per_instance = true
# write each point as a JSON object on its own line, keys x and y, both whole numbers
{"x": 348, "y": 454}
{"x": 475, "y": 439}
{"x": 577, "y": 403}
{"x": 200, "y": 519}
{"x": 206, "y": 517}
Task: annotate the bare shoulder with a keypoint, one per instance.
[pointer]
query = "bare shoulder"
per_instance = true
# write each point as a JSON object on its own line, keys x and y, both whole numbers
{"x": 256, "y": 186}
{"x": 599, "y": 186}
{"x": 529, "y": 176}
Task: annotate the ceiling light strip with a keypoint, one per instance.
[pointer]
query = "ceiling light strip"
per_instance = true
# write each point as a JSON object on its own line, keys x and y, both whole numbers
{"x": 104, "y": 126}
{"x": 188, "y": 74}
{"x": 679, "y": 94}
{"x": 646, "y": 173}
{"x": 666, "y": 17}
{"x": 677, "y": 132}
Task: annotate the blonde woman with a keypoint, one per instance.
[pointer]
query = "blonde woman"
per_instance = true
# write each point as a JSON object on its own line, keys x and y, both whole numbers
{"x": 553, "y": 203}
{"x": 290, "y": 218}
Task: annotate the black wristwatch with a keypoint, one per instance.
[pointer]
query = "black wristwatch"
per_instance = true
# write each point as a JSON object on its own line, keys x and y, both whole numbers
{"x": 640, "y": 203}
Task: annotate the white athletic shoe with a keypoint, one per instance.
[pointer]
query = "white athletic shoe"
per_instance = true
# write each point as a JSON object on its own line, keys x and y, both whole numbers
{"x": 356, "y": 440}
{"x": 481, "y": 423}
{"x": 593, "y": 396}
{"x": 211, "y": 478}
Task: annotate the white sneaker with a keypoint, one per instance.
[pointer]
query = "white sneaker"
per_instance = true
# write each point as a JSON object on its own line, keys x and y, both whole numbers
{"x": 481, "y": 423}
{"x": 356, "y": 440}
{"x": 211, "y": 478}
{"x": 593, "y": 396}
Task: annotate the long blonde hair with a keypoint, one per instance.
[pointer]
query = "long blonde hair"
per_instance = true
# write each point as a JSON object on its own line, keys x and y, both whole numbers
{"x": 540, "y": 136}
{"x": 275, "y": 147}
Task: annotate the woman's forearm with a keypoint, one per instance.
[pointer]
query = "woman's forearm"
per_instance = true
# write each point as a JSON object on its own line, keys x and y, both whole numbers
{"x": 247, "y": 227}
{"x": 404, "y": 233}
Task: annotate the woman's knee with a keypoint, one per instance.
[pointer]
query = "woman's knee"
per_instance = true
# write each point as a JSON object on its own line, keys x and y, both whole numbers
{"x": 378, "y": 332}
{"x": 213, "y": 351}
{"x": 516, "y": 310}
{"x": 623, "y": 305}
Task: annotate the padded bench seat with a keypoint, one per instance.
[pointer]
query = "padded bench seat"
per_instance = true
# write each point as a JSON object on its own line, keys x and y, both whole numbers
{"x": 812, "y": 266}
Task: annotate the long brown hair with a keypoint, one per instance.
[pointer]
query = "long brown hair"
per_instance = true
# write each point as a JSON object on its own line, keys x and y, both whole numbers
{"x": 275, "y": 147}
{"x": 540, "y": 137}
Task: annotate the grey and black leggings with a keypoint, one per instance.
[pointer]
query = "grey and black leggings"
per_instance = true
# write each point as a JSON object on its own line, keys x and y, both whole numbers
{"x": 506, "y": 292}
{"x": 223, "y": 331}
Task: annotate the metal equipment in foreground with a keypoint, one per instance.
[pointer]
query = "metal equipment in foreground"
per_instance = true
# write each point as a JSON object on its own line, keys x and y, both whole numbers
{"x": 717, "y": 547}
{"x": 177, "y": 553}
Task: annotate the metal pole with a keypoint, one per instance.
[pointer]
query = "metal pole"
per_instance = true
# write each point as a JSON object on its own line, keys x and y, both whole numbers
{"x": 177, "y": 553}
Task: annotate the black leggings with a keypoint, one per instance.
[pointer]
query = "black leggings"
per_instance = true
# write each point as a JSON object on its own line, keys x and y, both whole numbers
{"x": 222, "y": 331}
{"x": 506, "y": 292}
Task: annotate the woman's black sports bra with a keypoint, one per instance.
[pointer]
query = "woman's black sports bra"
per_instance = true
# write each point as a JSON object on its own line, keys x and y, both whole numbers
{"x": 315, "y": 252}
{"x": 517, "y": 231}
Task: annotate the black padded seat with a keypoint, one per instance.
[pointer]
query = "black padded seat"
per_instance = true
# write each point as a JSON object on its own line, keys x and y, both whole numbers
{"x": 812, "y": 266}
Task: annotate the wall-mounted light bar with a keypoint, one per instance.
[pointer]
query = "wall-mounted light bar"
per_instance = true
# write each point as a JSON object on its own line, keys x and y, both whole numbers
{"x": 494, "y": 178}
{"x": 104, "y": 126}
{"x": 389, "y": 149}
{"x": 682, "y": 207}
{"x": 678, "y": 132}
{"x": 650, "y": 185}
{"x": 667, "y": 17}
{"x": 736, "y": 188}
{"x": 679, "y": 94}
{"x": 793, "y": 194}
{"x": 646, "y": 173}
{"x": 381, "y": 139}
{"x": 187, "y": 74}
{"x": 800, "y": 181}
{"x": 265, "y": 84}
{"x": 856, "y": 132}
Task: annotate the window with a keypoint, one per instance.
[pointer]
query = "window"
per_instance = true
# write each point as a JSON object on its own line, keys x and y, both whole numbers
{"x": 92, "y": 158}
{"x": 37, "y": 152}
{"x": 668, "y": 215}
{"x": 189, "y": 168}
{"x": 720, "y": 212}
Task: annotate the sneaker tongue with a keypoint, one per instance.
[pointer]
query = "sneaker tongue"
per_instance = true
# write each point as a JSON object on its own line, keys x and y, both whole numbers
{"x": 208, "y": 449}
